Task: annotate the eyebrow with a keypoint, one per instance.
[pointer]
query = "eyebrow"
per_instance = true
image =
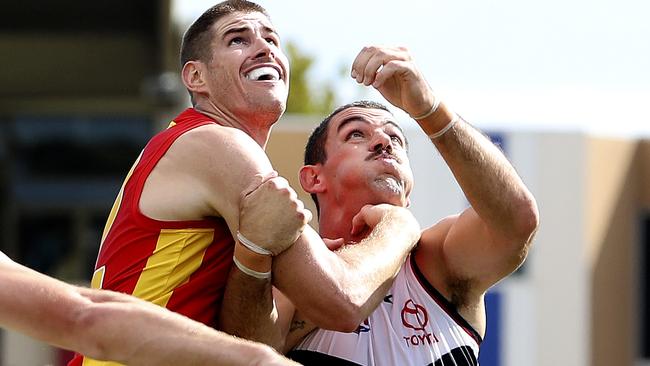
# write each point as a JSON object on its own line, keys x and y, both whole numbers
{"x": 365, "y": 120}
{"x": 246, "y": 28}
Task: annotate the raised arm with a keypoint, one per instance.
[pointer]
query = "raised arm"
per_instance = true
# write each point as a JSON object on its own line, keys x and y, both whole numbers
{"x": 112, "y": 326}
{"x": 490, "y": 239}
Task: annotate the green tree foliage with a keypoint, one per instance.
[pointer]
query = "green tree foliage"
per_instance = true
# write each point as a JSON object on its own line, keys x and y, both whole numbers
{"x": 306, "y": 97}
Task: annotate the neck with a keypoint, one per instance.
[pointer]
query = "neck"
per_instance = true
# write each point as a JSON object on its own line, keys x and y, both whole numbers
{"x": 258, "y": 127}
{"x": 336, "y": 222}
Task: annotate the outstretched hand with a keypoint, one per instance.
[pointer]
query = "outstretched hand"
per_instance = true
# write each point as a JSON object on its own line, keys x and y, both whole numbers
{"x": 392, "y": 71}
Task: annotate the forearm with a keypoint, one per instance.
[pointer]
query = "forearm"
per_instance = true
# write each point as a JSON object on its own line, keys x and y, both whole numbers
{"x": 112, "y": 326}
{"x": 338, "y": 290}
{"x": 37, "y": 305}
{"x": 163, "y": 337}
{"x": 486, "y": 177}
{"x": 248, "y": 310}
{"x": 299, "y": 329}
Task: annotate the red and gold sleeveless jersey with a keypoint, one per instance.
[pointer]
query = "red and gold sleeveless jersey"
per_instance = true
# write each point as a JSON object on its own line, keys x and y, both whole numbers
{"x": 180, "y": 265}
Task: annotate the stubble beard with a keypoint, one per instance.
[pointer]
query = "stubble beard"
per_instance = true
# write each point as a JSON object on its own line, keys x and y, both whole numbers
{"x": 390, "y": 188}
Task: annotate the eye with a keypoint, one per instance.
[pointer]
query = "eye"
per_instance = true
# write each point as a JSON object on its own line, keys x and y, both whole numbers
{"x": 272, "y": 41}
{"x": 397, "y": 139}
{"x": 236, "y": 41}
{"x": 354, "y": 134}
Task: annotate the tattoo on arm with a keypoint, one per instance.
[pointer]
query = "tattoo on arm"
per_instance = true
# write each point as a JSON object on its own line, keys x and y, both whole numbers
{"x": 296, "y": 325}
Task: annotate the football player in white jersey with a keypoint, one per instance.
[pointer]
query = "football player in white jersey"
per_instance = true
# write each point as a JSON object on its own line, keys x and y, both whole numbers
{"x": 435, "y": 311}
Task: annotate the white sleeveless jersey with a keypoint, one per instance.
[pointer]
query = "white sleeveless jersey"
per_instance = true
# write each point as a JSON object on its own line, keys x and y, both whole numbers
{"x": 414, "y": 325}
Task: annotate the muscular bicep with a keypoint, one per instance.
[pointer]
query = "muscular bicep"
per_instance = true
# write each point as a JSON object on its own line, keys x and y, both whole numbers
{"x": 471, "y": 251}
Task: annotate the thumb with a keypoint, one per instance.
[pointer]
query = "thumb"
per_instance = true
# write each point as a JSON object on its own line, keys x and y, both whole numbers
{"x": 333, "y": 244}
{"x": 359, "y": 224}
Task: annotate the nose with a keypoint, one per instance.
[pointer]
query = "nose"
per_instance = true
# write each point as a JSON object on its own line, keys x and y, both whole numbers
{"x": 263, "y": 48}
{"x": 382, "y": 141}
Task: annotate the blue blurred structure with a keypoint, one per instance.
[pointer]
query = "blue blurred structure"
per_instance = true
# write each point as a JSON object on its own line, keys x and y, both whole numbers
{"x": 490, "y": 354}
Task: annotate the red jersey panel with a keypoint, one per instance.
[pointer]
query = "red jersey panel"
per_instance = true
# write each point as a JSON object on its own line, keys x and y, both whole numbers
{"x": 180, "y": 265}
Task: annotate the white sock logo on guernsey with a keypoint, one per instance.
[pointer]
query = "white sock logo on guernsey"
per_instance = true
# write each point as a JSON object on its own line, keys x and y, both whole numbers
{"x": 415, "y": 316}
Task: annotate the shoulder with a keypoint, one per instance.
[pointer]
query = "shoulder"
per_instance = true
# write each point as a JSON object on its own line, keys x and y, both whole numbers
{"x": 218, "y": 142}
{"x": 214, "y": 136}
{"x": 217, "y": 164}
{"x": 218, "y": 149}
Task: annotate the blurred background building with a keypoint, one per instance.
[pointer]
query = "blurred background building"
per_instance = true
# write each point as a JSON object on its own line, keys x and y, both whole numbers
{"x": 84, "y": 84}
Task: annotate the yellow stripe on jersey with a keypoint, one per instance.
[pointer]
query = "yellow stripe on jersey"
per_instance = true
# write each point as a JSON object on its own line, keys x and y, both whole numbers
{"x": 118, "y": 202}
{"x": 91, "y": 362}
{"x": 178, "y": 254}
{"x": 98, "y": 277}
{"x": 169, "y": 241}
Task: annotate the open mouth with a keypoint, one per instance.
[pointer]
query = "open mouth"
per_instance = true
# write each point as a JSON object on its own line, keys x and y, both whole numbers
{"x": 264, "y": 73}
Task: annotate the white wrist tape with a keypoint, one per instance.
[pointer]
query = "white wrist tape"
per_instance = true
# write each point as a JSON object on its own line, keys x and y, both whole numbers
{"x": 252, "y": 246}
{"x": 250, "y": 272}
{"x": 434, "y": 108}
{"x": 444, "y": 130}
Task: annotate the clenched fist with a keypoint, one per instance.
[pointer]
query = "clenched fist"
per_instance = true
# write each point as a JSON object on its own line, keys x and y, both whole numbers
{"x": 272, "y": 216}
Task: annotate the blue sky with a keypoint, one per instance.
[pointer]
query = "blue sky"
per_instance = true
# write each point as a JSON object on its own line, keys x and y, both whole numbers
{"x": 571, "y": 65}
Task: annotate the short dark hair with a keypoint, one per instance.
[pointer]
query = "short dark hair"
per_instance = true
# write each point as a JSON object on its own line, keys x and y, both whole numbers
{"x": 197, "y": 38}
{"x": 315, "y": 149}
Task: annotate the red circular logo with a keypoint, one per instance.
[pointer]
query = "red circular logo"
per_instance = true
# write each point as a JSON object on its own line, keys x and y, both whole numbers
{"x": 414, "y": 316}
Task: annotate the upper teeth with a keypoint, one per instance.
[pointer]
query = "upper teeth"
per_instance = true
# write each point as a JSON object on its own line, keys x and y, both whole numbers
{"x": 256, "y": 74}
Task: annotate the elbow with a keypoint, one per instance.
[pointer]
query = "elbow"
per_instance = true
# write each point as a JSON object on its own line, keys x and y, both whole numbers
{"x": 523, "y": 231}
{"x": 350, "y": 326}
{"x": 526, "y": 221}
{"x": 75, "y": 326}
{"x": 342, "y": 317}
{"x": 349, "y": 323}
{"x": 86, "y": 324}
{"x": 95, "y": 335}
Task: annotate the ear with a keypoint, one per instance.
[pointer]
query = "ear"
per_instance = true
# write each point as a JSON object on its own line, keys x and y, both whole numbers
{"x": 310, "y": 179}
{"x": 192, "y": 75}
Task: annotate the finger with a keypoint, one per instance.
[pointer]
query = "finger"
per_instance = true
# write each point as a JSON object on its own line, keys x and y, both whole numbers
{"x": 308, "y": 216}
{"x": 359, "y": 224}
{"x": 390, "y": 69}
{"x": 280, "y": 185}
{"x": 358, "y": 228}
{"x": 257, "y": 181}
{"x": 359, "y": 63}
{"x": 374, "y": 66}
{"x": 381, "y": 56}
{"x": 333, "y": 244}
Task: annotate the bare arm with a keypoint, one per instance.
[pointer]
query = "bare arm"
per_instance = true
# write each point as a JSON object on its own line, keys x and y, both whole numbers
{"x": 223, "y": 165}
{"x": 334, "y": 290}
{"x": 491, "y": 238}
{"x": 206, "y": 173}
{"x": 358, "y": 276}
{"x": 112, "y": 326}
